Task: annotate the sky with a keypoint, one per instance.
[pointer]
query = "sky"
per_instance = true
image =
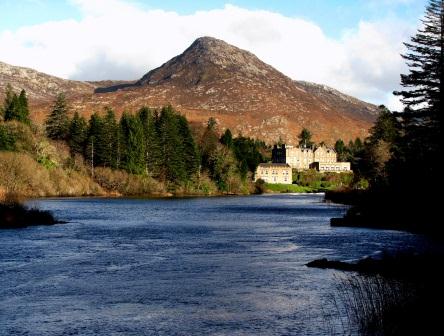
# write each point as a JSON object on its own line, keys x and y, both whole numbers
{"x": 351, "y": 45}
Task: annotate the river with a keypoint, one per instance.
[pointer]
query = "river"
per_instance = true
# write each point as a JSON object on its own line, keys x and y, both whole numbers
{"x": 190, "y": 266}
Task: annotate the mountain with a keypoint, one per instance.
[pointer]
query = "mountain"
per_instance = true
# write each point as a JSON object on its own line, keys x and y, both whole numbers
{"x": 215, "y": 79}
{"x": 39, "y": 86}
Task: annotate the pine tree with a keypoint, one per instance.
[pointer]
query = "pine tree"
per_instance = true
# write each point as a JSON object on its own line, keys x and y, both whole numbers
{"x": 77, "y": 134}
{"x": 151, "y": 138}
{"x": 173, "y": 166}
{"x": 208, "y": 144}
{"x": 94, "y": 149}
{"x": 133, "y": 144}
{"x": 406, "y": 174}
{"x": 424, "y": 82}
{"x": 57, "y": 123}
{"x": 386, "y": 128}
{"x": 23, "y": 109}
{"x": 341, "y": 150}
{"x": 109, "y": 138}
{"x": 15, "y": 107}
{"x": 422, "y": 119}
{"x": 420, "y": 144}
{"x": 8, "y": 104}
{"x": 247, "y": 154}
{"x": 190, "y": 153}
{"x": 305, "y": 138}
{"x": 227, "y": 138}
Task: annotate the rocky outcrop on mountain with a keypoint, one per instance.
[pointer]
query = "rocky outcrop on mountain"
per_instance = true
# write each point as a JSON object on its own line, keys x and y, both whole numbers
{"x": 40, "y": 87}
{"x": 215, "y": 79}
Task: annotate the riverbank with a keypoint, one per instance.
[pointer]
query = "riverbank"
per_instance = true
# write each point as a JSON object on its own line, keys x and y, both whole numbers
{"x": 387, "y": 209}
{"x": 393, "y": 294}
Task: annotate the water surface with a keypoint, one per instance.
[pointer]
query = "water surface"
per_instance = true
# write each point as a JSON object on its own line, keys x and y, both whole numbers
{"x": 197, "y": 266}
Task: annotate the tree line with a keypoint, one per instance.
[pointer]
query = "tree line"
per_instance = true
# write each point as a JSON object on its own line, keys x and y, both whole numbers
{"x": 159, "y": 143}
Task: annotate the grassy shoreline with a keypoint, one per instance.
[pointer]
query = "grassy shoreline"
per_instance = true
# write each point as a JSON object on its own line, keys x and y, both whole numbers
{"x": 290, "y": 188}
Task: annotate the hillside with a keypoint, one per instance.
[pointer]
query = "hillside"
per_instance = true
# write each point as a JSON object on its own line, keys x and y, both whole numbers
{"x": 213, "y": 79}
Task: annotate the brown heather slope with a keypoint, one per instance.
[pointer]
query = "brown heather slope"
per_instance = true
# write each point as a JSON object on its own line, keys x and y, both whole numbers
{"x": 214, "y": 79}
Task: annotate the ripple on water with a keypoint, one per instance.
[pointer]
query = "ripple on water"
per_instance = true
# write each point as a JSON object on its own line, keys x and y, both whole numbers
{"x": 219, "y": 266}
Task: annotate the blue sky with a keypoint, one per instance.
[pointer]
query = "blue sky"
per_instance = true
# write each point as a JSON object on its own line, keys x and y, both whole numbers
{"x": 351, "y": 45}
{"x": 333, "y": 16}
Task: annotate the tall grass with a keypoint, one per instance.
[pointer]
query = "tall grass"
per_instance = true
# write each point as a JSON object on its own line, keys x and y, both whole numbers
{"x": 378, "y": 305}
{"x": 373, "y": 305}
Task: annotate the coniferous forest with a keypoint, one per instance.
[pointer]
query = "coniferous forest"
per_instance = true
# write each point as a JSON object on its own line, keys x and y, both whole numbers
{"x": 147, "y": 152}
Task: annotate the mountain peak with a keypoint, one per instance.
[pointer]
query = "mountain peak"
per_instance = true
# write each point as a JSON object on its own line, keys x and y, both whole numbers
{"x": 207, "y": 59}
{"x": 208, "y": 42}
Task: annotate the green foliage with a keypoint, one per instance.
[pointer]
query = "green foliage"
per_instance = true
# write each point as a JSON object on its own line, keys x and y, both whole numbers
{"x": 208, "y": 145}
{"x": 46, "y": 162}
{"x": 151, "y": 138}
{"x": 341, "y": 150}
{"x": 78, "y": 131}
{"x": 287, "y": 188}
{"x": 305, "y": 138}
{"x": 57, "y": 123}
{"x": 93, "y": 146}
{"x": 386, "y": 128}
{"x": 7, "y": 139}
{"x": 222, "y": 166}
{"x": 317, "y": 181}
{"x": 361, "y": 184}
{"x": 132, "y": 144}
{"x": 260, "y": 186}
{"x": 369, "y": 159}
{"x": 16, "y": 136}
{"x": 173, "y": 167}
{"x": 227, "y": 138}
{"x": 247, "y": 153}
{"x": 190, "y": 152}
{"x": 15, "y": 107}
{"x": 109, "y": 138}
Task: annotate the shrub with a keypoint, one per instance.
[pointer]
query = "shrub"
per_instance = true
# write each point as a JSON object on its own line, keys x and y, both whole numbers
{"x": 20, "y": 174}
{"x": 15, "y": 215}
{"x": 259, "y": 186}
{"x": 125, "y": 183}
{"x": 7, "y": 140}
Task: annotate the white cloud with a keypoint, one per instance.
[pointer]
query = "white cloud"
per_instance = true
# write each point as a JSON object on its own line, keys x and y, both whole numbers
{"x": 118, "y": 40}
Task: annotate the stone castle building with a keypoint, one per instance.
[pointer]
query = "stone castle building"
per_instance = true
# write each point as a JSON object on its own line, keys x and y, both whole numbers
{"x": 274, "y": 173}
{"x": 322, "y": 158}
